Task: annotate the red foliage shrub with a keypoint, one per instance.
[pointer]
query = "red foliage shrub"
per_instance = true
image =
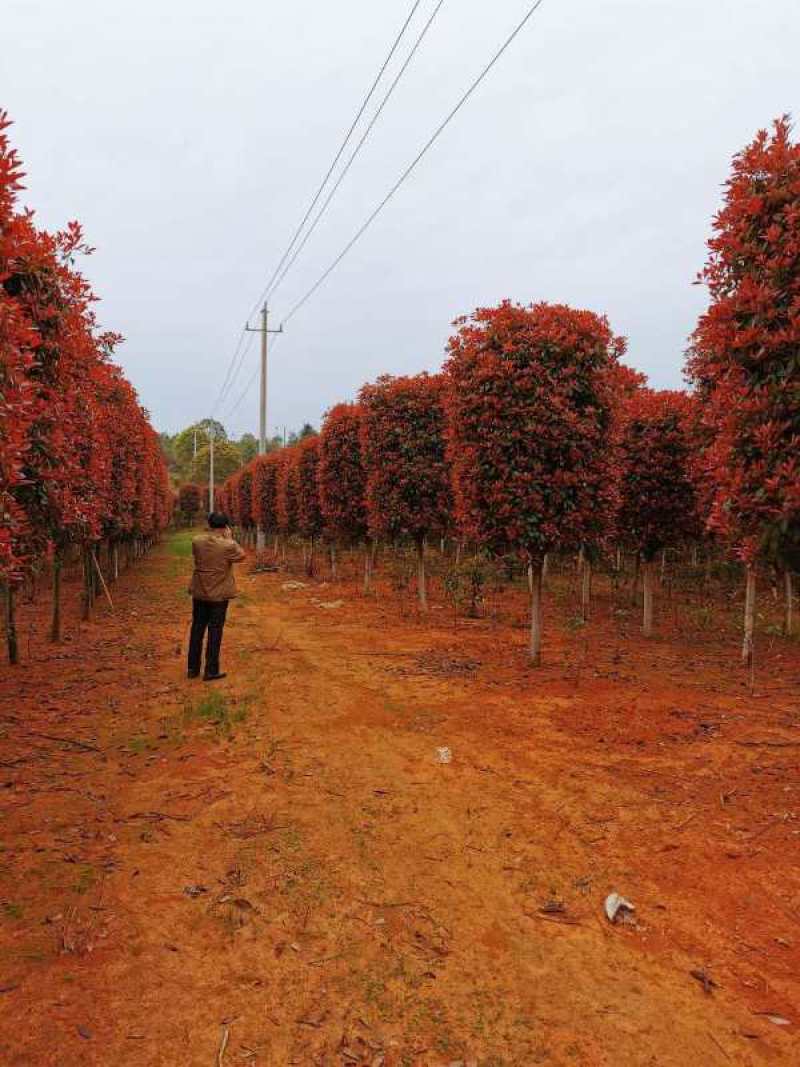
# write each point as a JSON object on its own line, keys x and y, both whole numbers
{"x": 309, "y": 515}
{"x": 265, "y": 489}
{"x": 341, "y": 475}
{"x": 530, "y": 399}
{"x": 78, "y": 457}
{"x": 190, "y": 500}
{"x": 244, "y": 509}
{"x": 744, "y": 358}
{"x": 286, "y": 490}
{"x": 403, "y": 448}
{"x": 658, "y": 506}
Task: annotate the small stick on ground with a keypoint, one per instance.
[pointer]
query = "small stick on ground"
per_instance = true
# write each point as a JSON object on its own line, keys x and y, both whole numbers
{"x": 102, "y": 581}
{"x": 223, "y": 1045}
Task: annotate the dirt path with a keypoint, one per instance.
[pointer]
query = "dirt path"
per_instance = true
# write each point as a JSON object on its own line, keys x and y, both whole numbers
{"x": 280, "y": 870}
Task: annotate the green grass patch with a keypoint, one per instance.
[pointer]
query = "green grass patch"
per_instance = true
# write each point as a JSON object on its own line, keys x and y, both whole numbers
{"x": 180, "y": 544}
{"x": 215, "y": 710}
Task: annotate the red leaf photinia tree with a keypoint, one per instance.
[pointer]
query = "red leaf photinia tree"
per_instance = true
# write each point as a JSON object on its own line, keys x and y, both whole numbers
{"x": 658, "y": 505}
{"x": 744, "y": 360}
{"x": 403, "y": 448}
{"x": 286, "y": 491}
{"x": 190, "y": 501}
{"x": 531, "y": 398}
{"x": 342, "y": 481}
{"x": 265, "y": 489}
{"x": 309, "y": 516}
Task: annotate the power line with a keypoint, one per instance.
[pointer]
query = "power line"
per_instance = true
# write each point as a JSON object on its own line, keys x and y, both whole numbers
{"x": 357, "y": 149}
{"x": 338, "y": 155}
{"x": 248, "y": 387}
{"x": 231, "y": 373}
{"x": 412, "y": 166}
{"x": 225, "y": 387}
{"x": 235, "y": 367}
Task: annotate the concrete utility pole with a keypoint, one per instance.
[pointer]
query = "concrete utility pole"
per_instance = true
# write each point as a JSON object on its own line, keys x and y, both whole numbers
{"x": 211, "y": 467}
{"x": 265, "y": 331}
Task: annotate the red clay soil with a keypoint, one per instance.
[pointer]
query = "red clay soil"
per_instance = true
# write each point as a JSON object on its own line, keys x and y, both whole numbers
{"x": 287, "y": 874}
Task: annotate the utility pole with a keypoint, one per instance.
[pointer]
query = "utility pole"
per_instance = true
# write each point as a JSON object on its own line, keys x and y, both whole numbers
{"x": 211, "y": 467}
{"x": 265, "y": 331}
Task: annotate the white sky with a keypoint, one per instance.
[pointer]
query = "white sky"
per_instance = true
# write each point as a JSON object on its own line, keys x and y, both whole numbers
{"x": 188, "y": 138}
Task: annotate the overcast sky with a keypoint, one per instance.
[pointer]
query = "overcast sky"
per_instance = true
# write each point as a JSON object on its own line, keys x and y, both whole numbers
{"x": 188, "y": 138}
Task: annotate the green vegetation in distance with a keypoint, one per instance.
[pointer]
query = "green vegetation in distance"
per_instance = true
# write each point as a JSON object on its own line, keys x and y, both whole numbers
{"x": 187, "y": 452}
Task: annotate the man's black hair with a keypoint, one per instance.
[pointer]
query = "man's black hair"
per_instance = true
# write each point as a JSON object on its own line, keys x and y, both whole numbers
{"x": 218, "y": 520}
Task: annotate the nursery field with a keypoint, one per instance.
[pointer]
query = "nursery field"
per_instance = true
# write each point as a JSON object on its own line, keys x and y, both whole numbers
{"x": 386, "y": 839}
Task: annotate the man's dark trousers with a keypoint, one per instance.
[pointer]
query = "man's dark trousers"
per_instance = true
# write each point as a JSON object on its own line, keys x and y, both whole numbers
{"x": 206, "y": 615}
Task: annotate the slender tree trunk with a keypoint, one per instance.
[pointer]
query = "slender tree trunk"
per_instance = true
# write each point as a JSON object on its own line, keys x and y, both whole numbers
{"x": 367, "y": 566}
{"x": 86, "y": 599}
{"x": 11, "y": 625}
{"x": 635, "y": 582}
{"x": 545, "y": 566}
{"x": 663, "y": 563}
{"x": 115, "y": 562}
{"x": 647, "y": 597}
{"x": 422, "y": 590}
{"x": 535, "y": 583}
{"x": 310, "y": 561}
{"x": 459, "y": 548}
{"x": 618, "y": 565}
{"x": 334, "y": 568}
{"x": 788, "y": 622}
{"x": 586, "y": 588}
{"x": 55, "y": 622}
{"x": 749, "y": 614}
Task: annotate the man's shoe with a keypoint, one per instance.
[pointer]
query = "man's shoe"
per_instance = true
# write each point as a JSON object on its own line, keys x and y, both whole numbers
{"x": 193, "y": 674}
{"x": 214, "y": 677}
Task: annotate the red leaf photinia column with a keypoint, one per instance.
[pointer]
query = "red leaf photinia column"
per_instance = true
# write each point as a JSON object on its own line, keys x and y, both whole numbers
{"x": 530, "y": 401}
{"x": 408, "y": 491}
{"x": 659, "y": 505}
{"x": 744, "y": 362}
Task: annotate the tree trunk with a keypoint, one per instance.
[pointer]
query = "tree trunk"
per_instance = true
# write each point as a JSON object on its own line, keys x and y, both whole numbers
{"x": 535, "y": 582}
{"x": 334, "y": 569}
{"x": 459, "y": 546}
{"x": 586, "y": 588}
{"x": 545, "y": 566}
{"x": 635, "y": 582}
{"x": 310, "y": 558}
{"x": 55, "y": 622}
{"x": 422, "y": 591}
{"x": 647, "y": 597}
{"x": 788, "y": 622}
{"x": 11, "y": 625}
{"x": 86, "y": 598}
{"x": 367, "y": 567}
{"x": 115, "y": 562}
{"x": 749, "y": 614}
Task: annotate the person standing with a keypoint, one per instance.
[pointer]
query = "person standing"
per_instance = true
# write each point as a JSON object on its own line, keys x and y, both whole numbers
{"x": 212, "y": 586}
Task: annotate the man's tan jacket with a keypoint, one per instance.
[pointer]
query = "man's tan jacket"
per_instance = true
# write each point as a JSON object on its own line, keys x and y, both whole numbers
{"x": 214, "y": 557}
